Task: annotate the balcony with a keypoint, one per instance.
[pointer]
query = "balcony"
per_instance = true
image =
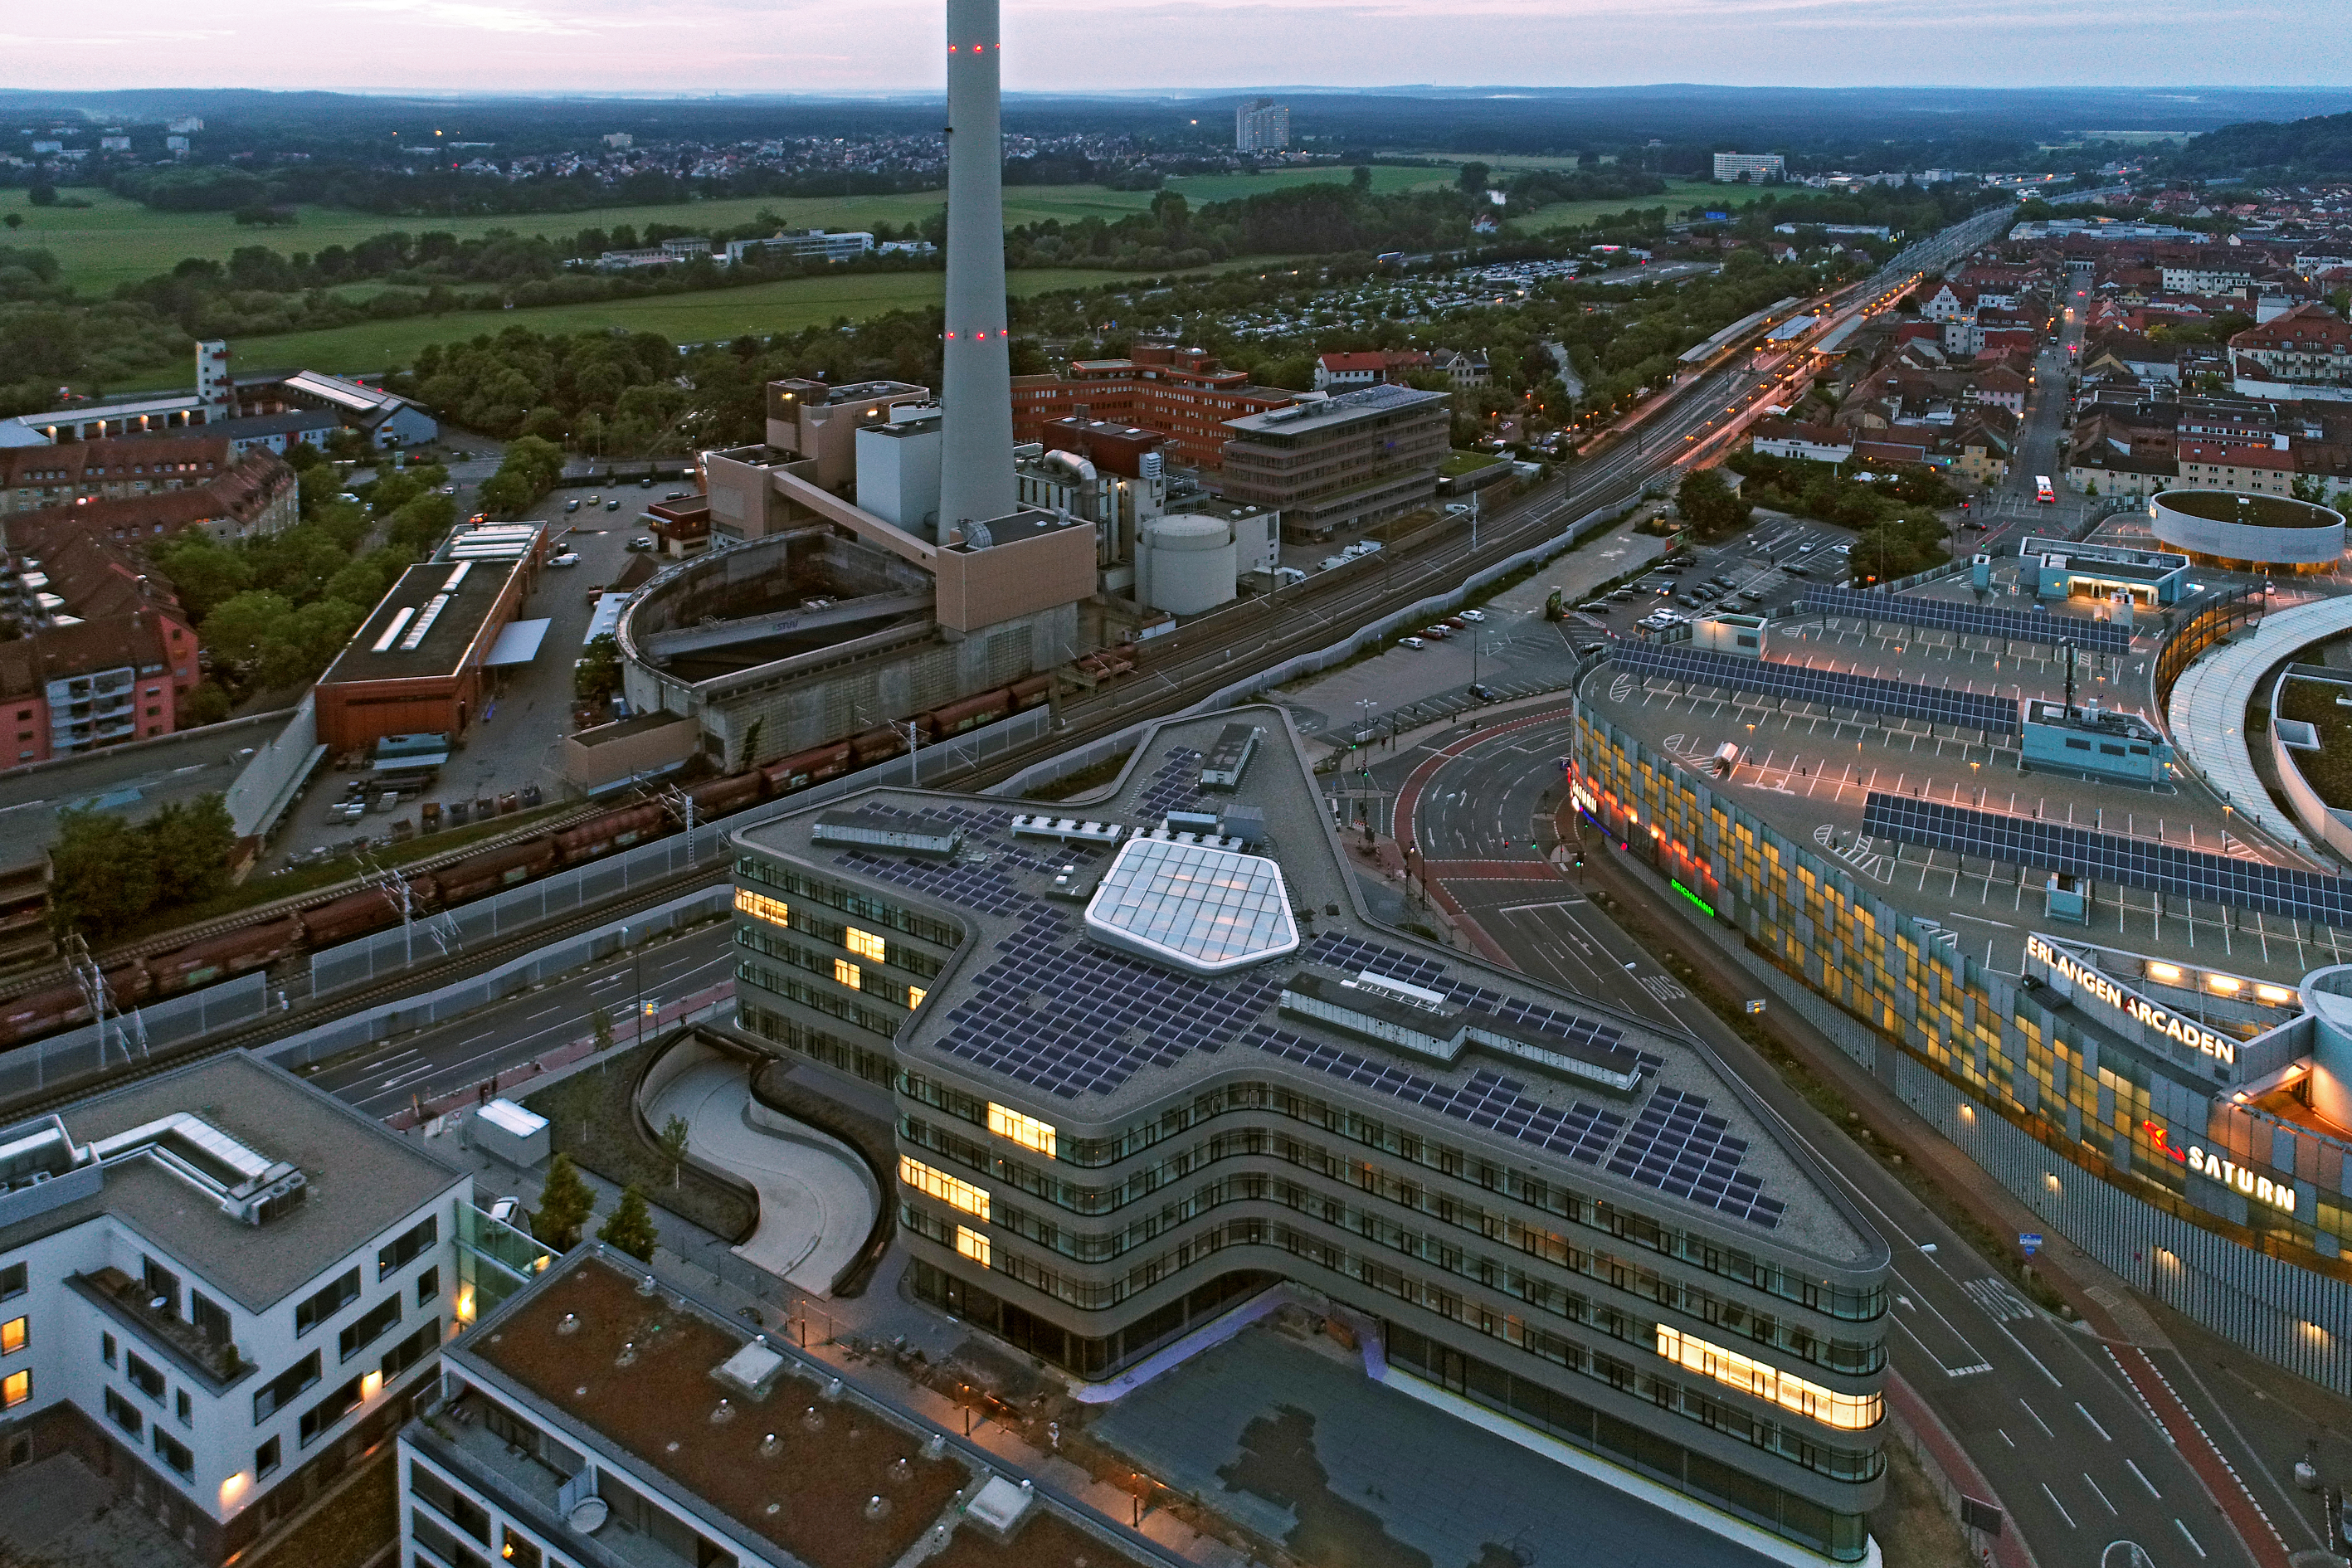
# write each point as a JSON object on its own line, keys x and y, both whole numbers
{"x": 218, "y": 1366}
{"x": 456, "y": 1437}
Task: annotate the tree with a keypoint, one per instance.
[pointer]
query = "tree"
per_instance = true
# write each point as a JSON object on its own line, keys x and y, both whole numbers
{"x": 599, "y": 674}
{"x": 42, "y": 194}
{"x": 631, "y": 1227}
{"x": 673, "y": 1147}
{"x": 2312, "y": 487}
{"x": 101, "y": 872}
{"x": 190, "y": 845}
{"x": 564, "y": 1204}
{"x": 1473, "y": 177}
{"x": 1359, "y": 180}
{"x": 600, "y": 1025}
{"x": 15, "y": 220}
{"x": 1707, "y": 504}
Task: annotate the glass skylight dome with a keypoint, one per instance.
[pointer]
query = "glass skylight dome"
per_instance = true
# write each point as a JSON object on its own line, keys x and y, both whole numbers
{"x": 1208, "y": 911}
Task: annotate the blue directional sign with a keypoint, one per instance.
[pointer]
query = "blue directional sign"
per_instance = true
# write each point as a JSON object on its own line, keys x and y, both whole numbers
{"x": 2031, "y": 1240}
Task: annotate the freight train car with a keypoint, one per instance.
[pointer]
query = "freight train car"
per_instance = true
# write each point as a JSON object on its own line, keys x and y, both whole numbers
{"x": 612, "y": 830}
{"x": 230, "y": 953}
{"x": 969, "y": 715}
{"x": 355, "y": 915}
{"x": 38, "y": 1013}
{"x": 717, "y": 797}
{"x": 802, "y": 769}
{"x": 493, "y": 869}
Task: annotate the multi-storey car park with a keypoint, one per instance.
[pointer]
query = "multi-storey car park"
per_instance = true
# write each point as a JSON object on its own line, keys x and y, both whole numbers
{"x": 1152, "y": 1058}
{"x": 1961, "y": 818}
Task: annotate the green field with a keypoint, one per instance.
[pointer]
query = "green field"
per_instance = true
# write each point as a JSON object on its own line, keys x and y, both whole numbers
{"x": 1679, "y": 193}
{"x": 115, "y": 240}
{"x": 711, "y": 315}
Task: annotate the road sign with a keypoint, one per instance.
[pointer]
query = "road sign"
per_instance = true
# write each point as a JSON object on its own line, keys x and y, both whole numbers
{"x": 1755, "y": 1005}
{"x": 2031, "y": 1240}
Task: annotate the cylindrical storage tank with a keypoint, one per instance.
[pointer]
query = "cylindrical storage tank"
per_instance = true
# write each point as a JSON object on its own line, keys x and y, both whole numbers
{"x": 2252, "y": 530}
{"x": 1193, "y": 564}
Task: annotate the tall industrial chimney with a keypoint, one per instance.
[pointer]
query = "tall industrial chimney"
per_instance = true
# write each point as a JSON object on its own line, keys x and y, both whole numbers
{"x": 976, "y": 380}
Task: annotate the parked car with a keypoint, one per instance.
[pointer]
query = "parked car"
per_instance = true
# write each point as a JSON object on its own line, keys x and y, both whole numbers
{"x": 641, "y": 544}
{"x": 1440, "y": 631}
{"x": 1474, "y": 616}
{"x": 1411, "y": 642}
{"x": 569, "y": 558}
{"x": 646, "y": 483}
{"x": 572, "y": 505}
{"x": 612, "y": 505}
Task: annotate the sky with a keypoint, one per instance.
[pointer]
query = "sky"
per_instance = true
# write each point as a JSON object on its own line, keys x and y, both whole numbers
{"x": 861, "y": 46}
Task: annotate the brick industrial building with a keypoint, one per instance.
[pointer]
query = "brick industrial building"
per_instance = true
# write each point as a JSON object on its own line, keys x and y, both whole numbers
{"x": 419, "y": 664}
{"x": 1182, "y": 393}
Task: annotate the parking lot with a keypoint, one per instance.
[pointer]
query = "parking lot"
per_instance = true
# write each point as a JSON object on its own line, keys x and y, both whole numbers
{"x": 515, "y": 744}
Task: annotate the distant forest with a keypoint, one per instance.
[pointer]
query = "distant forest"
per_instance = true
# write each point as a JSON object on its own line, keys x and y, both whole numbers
{"x": 2318, "y": 148}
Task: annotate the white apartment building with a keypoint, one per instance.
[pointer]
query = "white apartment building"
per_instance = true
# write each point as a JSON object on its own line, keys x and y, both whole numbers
{"x": 1757, "y": 166}
{"x": 218, "y": 1288}
{"x": 840, "y": 245}
{"x": 2216, "y": 277}
{"x": 1261, "y": 125}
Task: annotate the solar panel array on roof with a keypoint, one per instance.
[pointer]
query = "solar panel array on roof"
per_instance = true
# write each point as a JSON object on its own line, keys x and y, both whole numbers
{"x": 1949, "y": 615}
{"x": 1488, "y": 1100}
{"x": 1074, "y": 1019}
{"x": 1684, "y": 1149}
{"x": 1340, "y": 951}
{"x": 1175, "y": 787}
{"x": 2112, "y": 857}
{"x": 1831, "y": 687}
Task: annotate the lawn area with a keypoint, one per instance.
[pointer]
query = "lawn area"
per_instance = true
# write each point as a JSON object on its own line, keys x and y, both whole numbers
{"x": 1680, "y": 194}
{"x": 711, "y": 315}
{"x": 1457, "y": 464}
{"x": 115, "y": 240}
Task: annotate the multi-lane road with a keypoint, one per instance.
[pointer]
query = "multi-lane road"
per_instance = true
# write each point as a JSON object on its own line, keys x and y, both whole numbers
{"x": 2065, "y": 1442}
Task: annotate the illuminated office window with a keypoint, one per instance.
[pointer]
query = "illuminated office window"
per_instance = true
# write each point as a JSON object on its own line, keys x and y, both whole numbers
{"x": 973, "y": 1244}
{"x": 846, "y": 972}
{"x": 947, "y": 1189}
{"x": 1025, "y": 1131}
{"x": 775, "y": 911}
{"x": 915, "y": 994}
{"x": 1844, "y": 1412}
{"x": 864, "y": 944}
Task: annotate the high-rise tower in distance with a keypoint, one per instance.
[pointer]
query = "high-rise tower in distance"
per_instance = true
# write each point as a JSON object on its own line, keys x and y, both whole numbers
{"x": 976, "y": 374}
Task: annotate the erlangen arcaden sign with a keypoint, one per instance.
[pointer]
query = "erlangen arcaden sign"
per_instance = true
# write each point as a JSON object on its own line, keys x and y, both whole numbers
{"x": 2139, "y": 1009}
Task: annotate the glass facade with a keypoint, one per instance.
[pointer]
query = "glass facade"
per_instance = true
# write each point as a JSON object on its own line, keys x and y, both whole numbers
{"x": 2102, "y": 1106}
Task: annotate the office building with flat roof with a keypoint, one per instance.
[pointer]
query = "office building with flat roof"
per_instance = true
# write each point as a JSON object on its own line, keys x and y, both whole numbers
{"x": 1154, "y": 1059}
{"x": 1342, "y": 461}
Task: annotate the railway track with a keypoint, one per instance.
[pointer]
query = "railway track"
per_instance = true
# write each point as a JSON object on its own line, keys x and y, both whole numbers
{"x": 1189, "y": 665}
{"x": 30, "y": 980}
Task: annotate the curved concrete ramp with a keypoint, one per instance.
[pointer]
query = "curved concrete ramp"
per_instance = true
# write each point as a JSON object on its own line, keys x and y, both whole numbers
{"x": 817, "y": 1200}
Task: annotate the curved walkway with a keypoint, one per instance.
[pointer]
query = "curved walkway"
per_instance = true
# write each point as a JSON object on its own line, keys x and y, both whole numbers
{"x": 817, "y": 1201}
{"x": 2208, "y": 714}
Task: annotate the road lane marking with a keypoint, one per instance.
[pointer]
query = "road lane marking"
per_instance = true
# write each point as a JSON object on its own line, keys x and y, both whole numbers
{"x": 2143, "y": 1481}
{"x": 2094, "y": 1423}
{"x": 2037, "y": 1418}
{"x": 2188, "y": 1538}
{"x": 2100, "y": 1495}
{"x": 2061, "y": 1507}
